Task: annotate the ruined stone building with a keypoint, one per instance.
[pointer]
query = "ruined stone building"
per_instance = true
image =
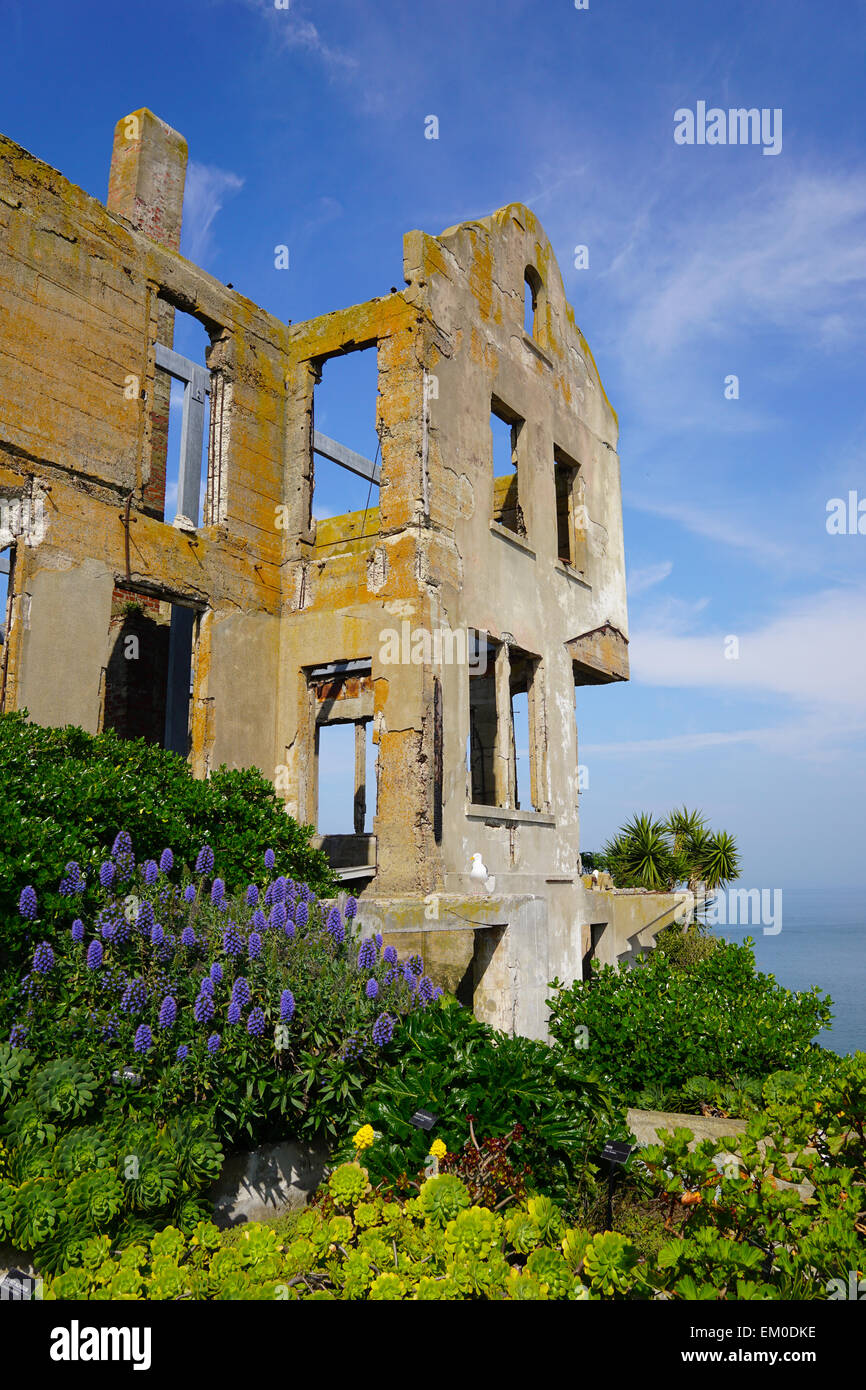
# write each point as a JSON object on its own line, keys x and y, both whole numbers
{"x": 240, "y": 629}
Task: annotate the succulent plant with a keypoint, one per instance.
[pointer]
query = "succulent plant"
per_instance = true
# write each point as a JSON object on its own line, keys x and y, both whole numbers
{"x": 64, "y": 1088}
{"x": 443, "y": 1197}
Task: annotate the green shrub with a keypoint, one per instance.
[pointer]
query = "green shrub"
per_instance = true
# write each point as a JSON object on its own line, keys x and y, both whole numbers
{"x": 657, "y": 1026}
{"x": 64, "y": 794}
{"x": 173, "y": 991}
{"x": 686, "y": 949}
{"x": 446, "y": 1062}
{"x": 746, "y": 1234}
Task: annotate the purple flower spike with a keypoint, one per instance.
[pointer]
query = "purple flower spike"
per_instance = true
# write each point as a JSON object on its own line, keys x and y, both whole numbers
{"x": 302, "y": 914}
{"x": 371, "y": 989}
{"x": 18, "y": 1035}
{"x": 270, "y": 859}
{"x": 259, "y": 921}
{"x": 122, "y": 846}
{"x": 77, "y": 930}
{"x": 157, "y": 935}
{"x": 287, "y": 1005}
{"x": 241, "y": 991}
{"x": 187, "y": 937}
{"x": 335, "y": 926}
{"x": 206, "y": 986}
{"x": 217, "y": 892}
{"x": 233, "y": 943}
{"x": 390, "y": 955}
{"x": 189, "y": 893}
{"x": 367, "y": 954}
{"x": 166, "y": 861}
{"x": 134, "y": 997}
{"x": 256, "y": 1022}
{"x": 143, "y": 1038}
{"x": 216, "y": 972}
{"x": 234, "y": 1013}
{"x": 426, "y": 989}
{"x": 203, "y": 1010}
{"x": 383, "y": 1030}
{"x": 106, "y": 873}
{"x": 254, "y": 945}
{"x": 94, "y": 955}
{"x": 351, "y": 907}
{"x": 252, "y": 895}
{"x": 43, "y": 959}
{"x": 27, "y": 902}
{"x": 377, "y": 937}
{"x": 167, "y": 1012}
{"x": 213, "y": 1043}
{"x": 278, "y": 916}
{"x": 151, "y": 872}
{"x": 204, "y": 862}
{"x": 182, "y": 1052}
{"x": 289, "y": 928}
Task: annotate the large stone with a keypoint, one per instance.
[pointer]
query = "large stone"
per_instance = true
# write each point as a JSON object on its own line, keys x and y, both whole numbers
{"x": 271, "y": 1180}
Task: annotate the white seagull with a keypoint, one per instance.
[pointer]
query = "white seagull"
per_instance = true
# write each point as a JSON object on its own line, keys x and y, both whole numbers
{"x": 478, "y": 873}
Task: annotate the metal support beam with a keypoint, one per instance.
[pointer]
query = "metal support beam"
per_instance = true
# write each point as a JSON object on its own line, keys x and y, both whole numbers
{"x": 179, "y": 668}
{"x": 196, "y": 385}
{"x": 346, "y": 458}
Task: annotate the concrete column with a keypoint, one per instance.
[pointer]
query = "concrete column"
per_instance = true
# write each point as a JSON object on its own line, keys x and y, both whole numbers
{"x": 148, "y": 172}
{"x": 360, "y": 776}
{"x": 504, "y": 769}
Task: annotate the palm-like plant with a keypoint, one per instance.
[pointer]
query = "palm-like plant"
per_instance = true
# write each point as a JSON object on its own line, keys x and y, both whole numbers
{"x": 659, "y": 854}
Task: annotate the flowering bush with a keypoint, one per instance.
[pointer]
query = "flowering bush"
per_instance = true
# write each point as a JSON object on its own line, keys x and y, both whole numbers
{"x": 175, "y": 992}
{"x": 63, "y": 794}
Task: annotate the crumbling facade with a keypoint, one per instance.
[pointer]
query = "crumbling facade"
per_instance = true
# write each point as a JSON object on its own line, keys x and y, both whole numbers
{"x": 239, "y": 629}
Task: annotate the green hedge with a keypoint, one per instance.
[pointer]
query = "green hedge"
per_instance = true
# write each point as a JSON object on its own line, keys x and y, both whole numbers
{"x": 65, "y": 794}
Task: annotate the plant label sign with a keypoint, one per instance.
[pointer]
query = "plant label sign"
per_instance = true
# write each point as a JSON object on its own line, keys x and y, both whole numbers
{"x": 423, "y": 1119}
{"x": 616, "y": 1153}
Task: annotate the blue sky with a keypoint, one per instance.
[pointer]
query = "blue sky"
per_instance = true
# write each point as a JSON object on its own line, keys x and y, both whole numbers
{"x": 306, "y": 128}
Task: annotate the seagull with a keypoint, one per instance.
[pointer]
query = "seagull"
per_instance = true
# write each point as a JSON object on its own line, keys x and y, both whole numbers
{"x": 594, "y": 877}
{"x": 478, "y": 873}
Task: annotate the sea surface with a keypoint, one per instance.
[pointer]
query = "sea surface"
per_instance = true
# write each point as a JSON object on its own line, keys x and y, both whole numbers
{"x": 822, "y": 942}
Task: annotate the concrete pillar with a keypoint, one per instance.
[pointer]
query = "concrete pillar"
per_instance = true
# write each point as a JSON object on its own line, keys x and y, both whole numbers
{"x": 148, "y": 172}
{"x": 146, "y": 183}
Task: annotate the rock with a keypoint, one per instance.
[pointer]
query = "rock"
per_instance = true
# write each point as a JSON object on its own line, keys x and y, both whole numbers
{"x": 263, "y": 1184}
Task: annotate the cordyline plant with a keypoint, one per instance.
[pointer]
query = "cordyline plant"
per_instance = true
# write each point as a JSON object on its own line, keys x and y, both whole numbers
{"x": 261, "y": 1006}
{"x": 659, "y": 854}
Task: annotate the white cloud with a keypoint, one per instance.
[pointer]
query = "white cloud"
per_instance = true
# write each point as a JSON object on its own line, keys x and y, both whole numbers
{"x": 791, "y": 255}
{"x": 727, "y": 527}
{"x": 815, "y": 653}
{"x": 646, "y": 578}
{"x": 206, "y": 191}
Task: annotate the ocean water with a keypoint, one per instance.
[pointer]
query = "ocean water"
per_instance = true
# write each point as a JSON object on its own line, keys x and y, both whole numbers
{"x": 822, "y": 942}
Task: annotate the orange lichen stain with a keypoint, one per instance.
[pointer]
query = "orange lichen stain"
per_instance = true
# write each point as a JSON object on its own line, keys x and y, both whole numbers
{"x": 481, "y": 273}
{"x": 348, "y": 532}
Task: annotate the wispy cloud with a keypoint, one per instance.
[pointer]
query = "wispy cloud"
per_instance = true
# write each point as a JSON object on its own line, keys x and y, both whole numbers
{"x": 814, "y": 652}
{"x": 718, "y": 525}
{"x": 791, "y": 256}
{"x": 640, "y": 580}
{"x": 206, "y": 191}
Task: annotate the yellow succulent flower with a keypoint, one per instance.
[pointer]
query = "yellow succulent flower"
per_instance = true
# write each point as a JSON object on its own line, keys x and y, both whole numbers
{"x": 364, "y": 1138}
{"x": 438, "y": 1149}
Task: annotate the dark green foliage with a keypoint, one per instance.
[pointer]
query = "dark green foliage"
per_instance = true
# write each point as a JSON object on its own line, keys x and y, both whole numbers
{"x": 64, "y": 795}
{"x": 655, "y": 1026}
{"x": 445, "y": 1061}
